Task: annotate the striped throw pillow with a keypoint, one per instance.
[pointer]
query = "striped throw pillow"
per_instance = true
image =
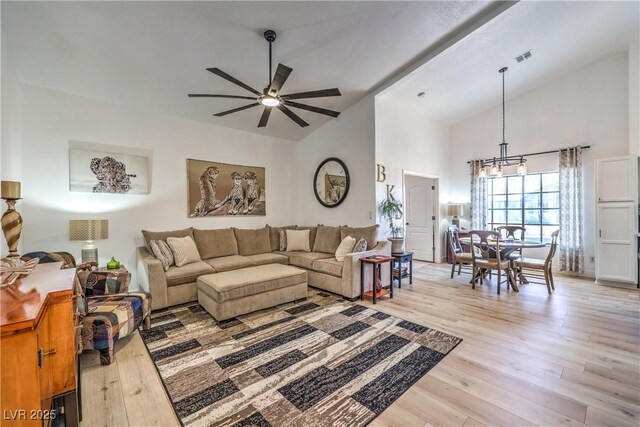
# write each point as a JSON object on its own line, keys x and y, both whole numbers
{"x": 162, "y": 252}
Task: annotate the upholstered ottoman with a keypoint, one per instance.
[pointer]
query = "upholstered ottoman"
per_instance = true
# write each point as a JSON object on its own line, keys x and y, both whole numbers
{"x": 231, "y": 293}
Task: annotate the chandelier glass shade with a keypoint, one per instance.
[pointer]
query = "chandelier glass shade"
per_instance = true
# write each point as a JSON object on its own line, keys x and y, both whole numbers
{"x": 495, "y": 166}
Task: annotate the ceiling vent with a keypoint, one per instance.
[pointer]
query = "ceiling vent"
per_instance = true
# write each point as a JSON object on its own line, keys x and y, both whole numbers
{"x": 523, "y": 56}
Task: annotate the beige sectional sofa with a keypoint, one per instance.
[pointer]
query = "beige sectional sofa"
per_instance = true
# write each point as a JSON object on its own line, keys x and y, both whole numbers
{"x": 232, "y": 249}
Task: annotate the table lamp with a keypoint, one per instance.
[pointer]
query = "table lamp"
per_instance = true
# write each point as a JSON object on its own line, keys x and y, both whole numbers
{"x": 455, "y": 210}
{"x": 88, "y": 230}
{"x": 11, "y": 219}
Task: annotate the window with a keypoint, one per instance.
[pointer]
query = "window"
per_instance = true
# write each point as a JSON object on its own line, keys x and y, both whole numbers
{"x": 531, "y": 201}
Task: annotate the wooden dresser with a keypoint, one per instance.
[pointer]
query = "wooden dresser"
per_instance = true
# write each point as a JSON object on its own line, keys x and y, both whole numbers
{"x": 38, "y": 347}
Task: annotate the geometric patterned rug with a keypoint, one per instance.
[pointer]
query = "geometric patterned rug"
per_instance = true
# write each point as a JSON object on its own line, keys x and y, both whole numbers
{"x": 322, "y": 361}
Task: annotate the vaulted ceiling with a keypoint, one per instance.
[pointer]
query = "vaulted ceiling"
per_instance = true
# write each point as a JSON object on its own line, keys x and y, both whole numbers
{"x": 561, "y": 35}
{"x": 149, "y": 55}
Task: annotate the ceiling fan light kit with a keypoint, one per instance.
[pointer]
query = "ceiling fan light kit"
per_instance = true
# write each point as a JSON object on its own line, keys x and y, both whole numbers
{"x": 270, "y": 97}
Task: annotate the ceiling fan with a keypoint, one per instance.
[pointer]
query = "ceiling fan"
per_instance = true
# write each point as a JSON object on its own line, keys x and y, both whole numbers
{"x": 270, "y": 97}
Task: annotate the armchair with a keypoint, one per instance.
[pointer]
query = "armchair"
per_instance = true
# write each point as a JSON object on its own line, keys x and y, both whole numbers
{"x": 106, "y": 310}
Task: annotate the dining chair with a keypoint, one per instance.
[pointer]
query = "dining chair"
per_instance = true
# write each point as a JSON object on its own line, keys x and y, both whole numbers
{"x": 486, "y": 256}
{"x": 460, "y": 257}
{"x": 522, "y": 264}
{"x": 515, "y": 232}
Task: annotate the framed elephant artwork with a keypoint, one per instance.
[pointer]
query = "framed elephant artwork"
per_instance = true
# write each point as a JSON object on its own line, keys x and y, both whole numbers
{"x": 97, "y": 171}
{"x": 221, "y": 189}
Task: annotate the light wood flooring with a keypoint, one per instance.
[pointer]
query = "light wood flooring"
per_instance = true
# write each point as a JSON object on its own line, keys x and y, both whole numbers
{"x": 572, "y": 358}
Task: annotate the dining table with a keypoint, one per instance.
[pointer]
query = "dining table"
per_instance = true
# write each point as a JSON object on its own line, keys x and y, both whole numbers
{"x": 507, "y": 247}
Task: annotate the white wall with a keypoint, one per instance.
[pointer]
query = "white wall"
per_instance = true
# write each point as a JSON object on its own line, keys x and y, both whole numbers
{"x": 634, "y": 98}
{"x": 49, "y": 119}
{"x": 409, "y": 142}
{"x": 351, "y": 139}
{"x": 587, "y": 107}
{"x": 10, "y": 153}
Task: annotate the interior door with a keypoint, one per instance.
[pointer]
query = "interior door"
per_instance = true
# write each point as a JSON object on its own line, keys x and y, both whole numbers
{"x": 420, "y": 217}
{"x": 616, "y": 258}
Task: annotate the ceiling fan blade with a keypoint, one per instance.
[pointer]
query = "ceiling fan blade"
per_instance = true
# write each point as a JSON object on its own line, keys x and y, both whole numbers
{"x": 293, "y": 116}
{"x": 206, "y": 95}
{"x": 265, "y": 117}
{"x": 224, "y": 113}
{"x": 314, "y": 109}
{"x": 281, "y": 76}
{"x": 219, "y": 72}
{"x": 313, "y": 94}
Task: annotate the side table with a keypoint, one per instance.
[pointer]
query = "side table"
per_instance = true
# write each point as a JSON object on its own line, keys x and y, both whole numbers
{"x": 398, "y": 260}
{"x": 377, "y": 289}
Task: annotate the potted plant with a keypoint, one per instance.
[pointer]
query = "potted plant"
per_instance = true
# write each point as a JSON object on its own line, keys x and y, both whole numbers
{"x": 390, "y": 211}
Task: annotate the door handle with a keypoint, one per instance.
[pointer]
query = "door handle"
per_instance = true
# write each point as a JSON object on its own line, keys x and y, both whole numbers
{"x": 600, "y": 233}
{"x": 42, "y": 354}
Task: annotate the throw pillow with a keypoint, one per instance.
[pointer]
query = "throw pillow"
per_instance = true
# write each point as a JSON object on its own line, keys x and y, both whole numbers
{"x": 162, "y": 252}
{"x": 184, "y": 250}
{"x": 345, "y": 247}
{"x": 360, "y": 246}
{"x": 274, "y": 235}
{"x": 298, "y": 240}
{"x": 283, "y": 241}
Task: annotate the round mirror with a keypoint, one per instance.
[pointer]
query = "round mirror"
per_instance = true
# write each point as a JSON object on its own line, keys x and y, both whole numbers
{"x": 331, "y": 182}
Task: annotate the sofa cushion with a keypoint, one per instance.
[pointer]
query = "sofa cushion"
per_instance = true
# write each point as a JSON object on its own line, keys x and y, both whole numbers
{"x": 187, "y": 273}
{"x": 252, "y": 242}
{"x": 329, "y": 266}
{"x": 184, "y": 250}
{"x": 297, "y": 240}
{"x": 306, "y": 259}
{"x": 215, "y": 243}
{"x": 228, "y": 263}
{"x": 274, "y": 235}
{"x": 250, "y": 281}
{"x": 370, "y": 234}
{"x": 327, "y": 239}
{"x": 270, "y": 258}
{"x": 312, "y": 234}
{"x": 162, "y": 235}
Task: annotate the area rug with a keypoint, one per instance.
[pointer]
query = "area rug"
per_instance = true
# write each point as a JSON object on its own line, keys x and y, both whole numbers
{"x": 322, "y": 361}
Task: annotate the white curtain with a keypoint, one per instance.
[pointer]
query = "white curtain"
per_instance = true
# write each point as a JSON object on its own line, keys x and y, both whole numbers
{"x": 571, "y": 245}
{"x": 478, "y": 197}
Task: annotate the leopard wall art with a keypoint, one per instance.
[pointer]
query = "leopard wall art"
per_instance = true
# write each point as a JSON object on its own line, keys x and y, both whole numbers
{"x": 111, "y": 174}
{"x": 254, "y": 193}
{"x": 236, "y": 195}
{"x": 207, "y": 183}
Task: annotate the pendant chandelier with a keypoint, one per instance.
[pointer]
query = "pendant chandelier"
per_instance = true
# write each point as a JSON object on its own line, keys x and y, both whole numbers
{"x": 496, "y": 165}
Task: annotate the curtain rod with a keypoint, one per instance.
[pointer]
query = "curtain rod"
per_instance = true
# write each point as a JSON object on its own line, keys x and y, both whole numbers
{"x": 584, "y": 147}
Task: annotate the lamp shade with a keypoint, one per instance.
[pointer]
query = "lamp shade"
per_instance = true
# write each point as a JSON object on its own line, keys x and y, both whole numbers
{"x": 10, "y": 189}
{"x": 88, "y": 229}
{"x": 455, "y": 210}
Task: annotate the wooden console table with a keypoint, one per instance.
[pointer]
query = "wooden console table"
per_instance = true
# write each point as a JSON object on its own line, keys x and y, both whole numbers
{"x": 38, "y": 347}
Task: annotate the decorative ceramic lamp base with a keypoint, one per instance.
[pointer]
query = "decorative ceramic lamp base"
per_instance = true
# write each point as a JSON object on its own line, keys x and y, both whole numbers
{"x": 12, "y": 227}
{"x": 89, "y": 252}
{"x": 455, "y": 221}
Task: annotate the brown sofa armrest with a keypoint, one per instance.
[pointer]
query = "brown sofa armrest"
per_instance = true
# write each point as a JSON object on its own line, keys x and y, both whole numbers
{"x": 351, "y": 268}
{"x": 151, "y": 277}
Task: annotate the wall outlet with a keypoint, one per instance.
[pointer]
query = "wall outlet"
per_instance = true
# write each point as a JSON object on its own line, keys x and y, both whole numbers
{"x": 592, "y": 260}
{"x": 370, "y": 214}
